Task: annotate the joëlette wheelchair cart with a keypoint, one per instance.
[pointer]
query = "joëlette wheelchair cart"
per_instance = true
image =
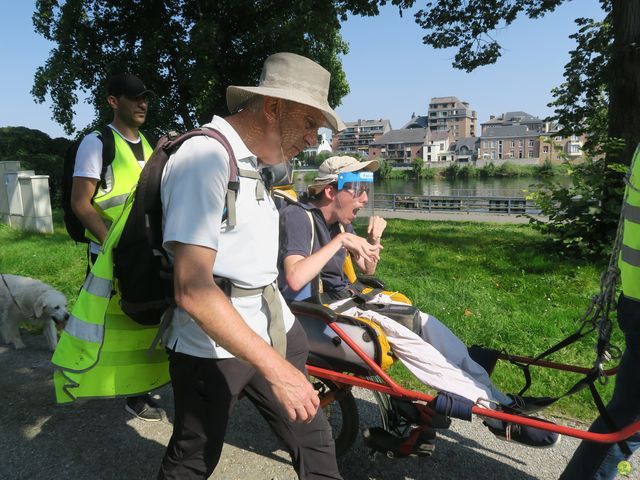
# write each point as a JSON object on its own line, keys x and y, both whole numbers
{"x": 345, "y": 353}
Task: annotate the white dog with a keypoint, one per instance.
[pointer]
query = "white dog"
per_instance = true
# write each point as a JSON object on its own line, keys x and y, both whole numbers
{"x": 24, "y": 299}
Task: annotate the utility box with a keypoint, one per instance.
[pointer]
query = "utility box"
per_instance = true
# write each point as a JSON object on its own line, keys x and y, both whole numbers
{"x": 25, "y": 202}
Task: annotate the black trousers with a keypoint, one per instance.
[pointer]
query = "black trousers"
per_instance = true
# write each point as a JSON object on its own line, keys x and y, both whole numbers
{"x": 206, "y": 391}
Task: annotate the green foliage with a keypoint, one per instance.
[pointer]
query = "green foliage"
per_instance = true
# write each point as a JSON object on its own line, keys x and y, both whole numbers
{"x": 451, "y": 172}
{"x": 38, "y": 152}
{"x": 575, "y": 222}
{"x": 545, "y": 170}
{"x": 385, "y": 169}
{"x": 580, "y": 103}
{"x": 417, "y": 168}
{"x": 490, "y": 170}
{"x": 52, "y": 258}
{"x": 466, "y": 25}
{"x": 429, "y": 173}
{"x": 186, "y": 51}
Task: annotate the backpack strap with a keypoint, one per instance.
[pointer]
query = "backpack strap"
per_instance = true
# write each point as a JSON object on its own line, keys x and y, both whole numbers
{"x": 105, "y": 134}
{"x": 260, "y": 186}
{"x": 233, "y": 185}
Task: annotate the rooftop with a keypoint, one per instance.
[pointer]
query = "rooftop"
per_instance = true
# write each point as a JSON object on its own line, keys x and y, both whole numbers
{"x": 405, "y": 135}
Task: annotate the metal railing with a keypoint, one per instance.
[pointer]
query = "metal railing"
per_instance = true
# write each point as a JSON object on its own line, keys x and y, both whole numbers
{"x": 453, "y": 203}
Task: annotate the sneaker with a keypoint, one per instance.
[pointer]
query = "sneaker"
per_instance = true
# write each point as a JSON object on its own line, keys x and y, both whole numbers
{"x": 380, "y": 440}
{"x": 143, "y": 407}
{"x": 530, "y": 436}
{"x": 527, "y": 405}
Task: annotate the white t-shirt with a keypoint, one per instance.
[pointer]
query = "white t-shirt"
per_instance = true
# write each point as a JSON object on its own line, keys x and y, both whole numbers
{"x": 89, "y": 163}
{"x": 89, "y": 155}
{"x": 193, "y": 190}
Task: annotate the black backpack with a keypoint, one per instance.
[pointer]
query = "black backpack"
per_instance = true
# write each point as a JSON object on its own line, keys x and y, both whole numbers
{"x": 74, "y": 227}
{"x": 141, "y": 265}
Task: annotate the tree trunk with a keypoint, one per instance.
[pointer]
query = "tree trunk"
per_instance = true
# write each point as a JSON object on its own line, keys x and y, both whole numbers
{"x": 624, "y": 103}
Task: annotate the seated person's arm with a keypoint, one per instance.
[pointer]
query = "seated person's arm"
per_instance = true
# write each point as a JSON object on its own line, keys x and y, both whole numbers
{"x": 300, "y": 270}
{"x": 198, "y": 295}
{"x": 82, "y": 191}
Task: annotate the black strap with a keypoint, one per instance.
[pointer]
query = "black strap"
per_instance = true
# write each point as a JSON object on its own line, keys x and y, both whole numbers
{"x": 624, "y": 447}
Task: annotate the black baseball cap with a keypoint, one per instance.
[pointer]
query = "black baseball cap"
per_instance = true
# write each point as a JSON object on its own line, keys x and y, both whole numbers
{"x": 128, "y": 85}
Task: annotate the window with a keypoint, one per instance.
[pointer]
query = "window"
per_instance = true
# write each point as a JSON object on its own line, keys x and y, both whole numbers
{"x": 520, "y": 143}
{"x": 545, "y": 149}
{"x": 493, "y": 155}
{"x": 574, "y": 138}
{"x": 513, "y": 143}
{"x": 485, "y": 144}
{"x": 493, "y": 143}
{"x": 520, "y": 154}
{"x": 574, "y": 149}
{"x": 530, "y": 154}
{"x": 530, "y": 144}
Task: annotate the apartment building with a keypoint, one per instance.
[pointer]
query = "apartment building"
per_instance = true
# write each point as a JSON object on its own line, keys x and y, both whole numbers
{"x": 402, "y": 146}
{"x": 555, "y": 148}
{"x": 453, "y": 115}
{"x": 526, "y": 138}
{"x": 438, "y": 147}
{"x": 465, "y": 150}
{"x": 358, "y": 135}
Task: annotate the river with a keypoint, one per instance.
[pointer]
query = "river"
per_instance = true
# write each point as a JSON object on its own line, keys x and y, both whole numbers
{"x": 475, "y": 187}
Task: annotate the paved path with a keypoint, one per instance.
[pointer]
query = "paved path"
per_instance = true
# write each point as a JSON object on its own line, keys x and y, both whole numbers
{"x": 97, "y": 440}
{"x": 453, "y": 216}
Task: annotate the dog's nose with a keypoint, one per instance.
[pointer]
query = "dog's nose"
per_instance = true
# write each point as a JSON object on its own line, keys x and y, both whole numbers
{"x": 66, "y": 316}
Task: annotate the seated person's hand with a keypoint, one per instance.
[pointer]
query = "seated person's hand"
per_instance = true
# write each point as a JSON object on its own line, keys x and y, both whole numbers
{"x": 376, "y": 227}
{"x": 358, "y": 247}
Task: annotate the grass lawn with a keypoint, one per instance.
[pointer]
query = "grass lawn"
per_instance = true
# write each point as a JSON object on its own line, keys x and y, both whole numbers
{"x": 495, "y": 285}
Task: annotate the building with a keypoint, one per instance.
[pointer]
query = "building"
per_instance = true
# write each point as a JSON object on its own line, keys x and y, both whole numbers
{"x": 465, "y": 150}
{"x": 417, "y": 121}
{"x": 358, "y": 135}
{"x": 321, "y": 146}
{"x": 453, "y": 115}
{"x": 437, "y": 147}
{"x": 510, "y": 142}
{"x": 401, "y": 146}
{"x": 525, "y": 138}
{"x": 555, "y": 148}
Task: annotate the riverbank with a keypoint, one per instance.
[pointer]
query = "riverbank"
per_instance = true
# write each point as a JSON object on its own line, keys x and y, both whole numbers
{"x": 456, "y": 217}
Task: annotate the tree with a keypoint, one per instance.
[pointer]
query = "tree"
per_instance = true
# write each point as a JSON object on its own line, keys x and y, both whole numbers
{"x": 601, "y": 92}
{"x": 38, "y": 152}
{"x": 186, "y": 51}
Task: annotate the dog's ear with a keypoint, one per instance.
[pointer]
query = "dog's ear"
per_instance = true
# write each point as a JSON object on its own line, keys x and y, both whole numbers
{"x": 38, "y": 306}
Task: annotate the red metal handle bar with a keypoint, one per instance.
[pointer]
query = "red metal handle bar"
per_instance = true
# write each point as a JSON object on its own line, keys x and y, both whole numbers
{"x": 392, "y": 388}
{"x": 401, "y": 392}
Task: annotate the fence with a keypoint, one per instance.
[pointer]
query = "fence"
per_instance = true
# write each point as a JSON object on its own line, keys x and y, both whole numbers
{"x": 462, "y": 204}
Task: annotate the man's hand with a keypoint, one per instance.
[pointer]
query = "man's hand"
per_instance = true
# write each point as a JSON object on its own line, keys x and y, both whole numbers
{"x": 358, "y": 247}
{"x": 295, "y": 394}
{"x": 374, "y": 230}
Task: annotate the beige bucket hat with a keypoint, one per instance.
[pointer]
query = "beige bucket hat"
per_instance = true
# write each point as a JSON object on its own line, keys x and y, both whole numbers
{"x": 291, "y": 77}
{"x": 332, "y": 166}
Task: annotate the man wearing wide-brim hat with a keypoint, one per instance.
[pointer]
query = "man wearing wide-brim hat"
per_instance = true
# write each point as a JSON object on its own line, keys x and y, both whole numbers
{"x": 247, "y": 342}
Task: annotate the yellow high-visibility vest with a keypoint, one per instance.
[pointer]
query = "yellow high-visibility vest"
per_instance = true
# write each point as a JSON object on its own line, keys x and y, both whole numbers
{"x": 122, "y": 175}
{"x": 629, "y": 261}
{"x": 102, "y": 352}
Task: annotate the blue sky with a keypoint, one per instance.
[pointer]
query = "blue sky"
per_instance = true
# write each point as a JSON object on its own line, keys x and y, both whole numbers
{"x": 390, "y": 72}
